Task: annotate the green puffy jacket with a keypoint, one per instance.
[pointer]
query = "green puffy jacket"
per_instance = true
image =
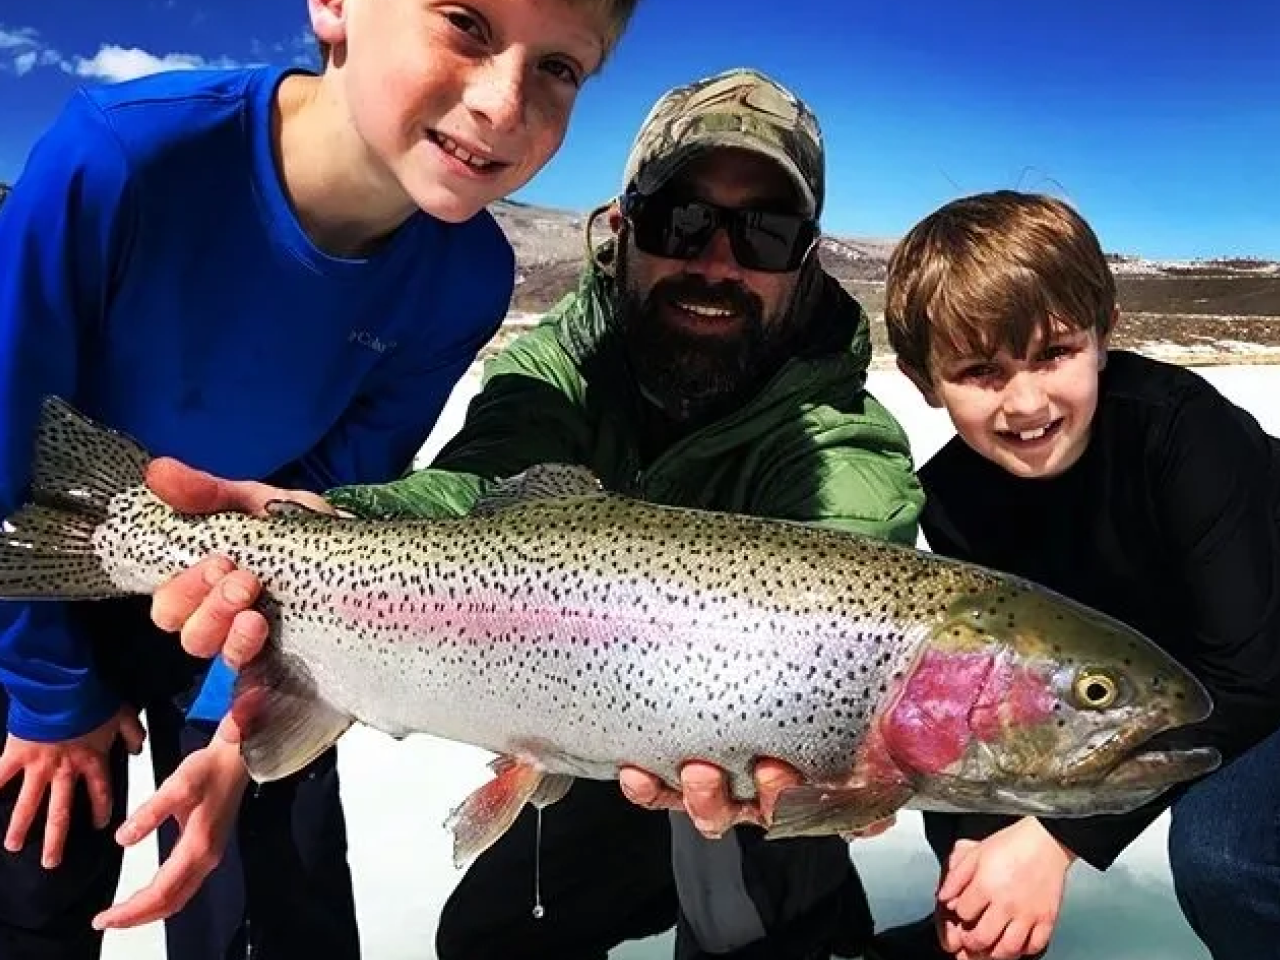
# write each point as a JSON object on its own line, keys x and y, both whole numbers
{"x": 813, "y": 445}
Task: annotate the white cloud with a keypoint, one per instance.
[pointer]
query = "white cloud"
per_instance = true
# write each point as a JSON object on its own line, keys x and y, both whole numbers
{"x": 22, "y": 50}
{"x": 21, "y": 37}
{"x": 114, "y": 63}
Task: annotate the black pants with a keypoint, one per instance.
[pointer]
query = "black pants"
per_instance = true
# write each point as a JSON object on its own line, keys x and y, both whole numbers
{"x": 606, "y": 878}
{"x": 283, "y": 888}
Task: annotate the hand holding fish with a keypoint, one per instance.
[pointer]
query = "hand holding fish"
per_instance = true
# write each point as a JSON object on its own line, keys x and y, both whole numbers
{"x": 1000, "y": 898}
{"x": 704, "y": 795}
{"x": 215, "y": 621}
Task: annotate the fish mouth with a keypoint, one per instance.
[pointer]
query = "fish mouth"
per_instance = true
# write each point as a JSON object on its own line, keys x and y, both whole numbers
{"x": 1140, "y": 739}
{"x": 1156, "y": 768}
{"x": 1128, "y": 785}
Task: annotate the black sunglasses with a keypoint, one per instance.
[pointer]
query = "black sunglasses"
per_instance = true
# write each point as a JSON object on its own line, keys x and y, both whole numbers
{"x": 665, "y": 226}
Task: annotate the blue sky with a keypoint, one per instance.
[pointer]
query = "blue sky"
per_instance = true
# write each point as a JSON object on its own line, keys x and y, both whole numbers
{"x": 1158, "y": 120}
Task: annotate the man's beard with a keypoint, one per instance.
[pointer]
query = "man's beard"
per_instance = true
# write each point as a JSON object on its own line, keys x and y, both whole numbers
{"x": 695, "y": 376}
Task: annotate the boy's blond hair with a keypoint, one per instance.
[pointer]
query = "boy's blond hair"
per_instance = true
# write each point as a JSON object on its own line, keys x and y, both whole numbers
{"x": 990, "y": 271}
{"x": 618, "y": 13}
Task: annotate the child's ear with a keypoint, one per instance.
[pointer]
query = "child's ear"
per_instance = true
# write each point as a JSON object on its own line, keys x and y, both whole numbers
{"x": 922, "y": 383}
{"x": 328, "y": 20}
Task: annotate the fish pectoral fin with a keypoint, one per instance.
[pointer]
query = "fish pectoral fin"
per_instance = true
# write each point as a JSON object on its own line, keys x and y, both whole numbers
{"x": 809, "y": 811}
{"x": 284, "y": 722}
{"x": 545, "y": 481}
{"x": 481, "y": 820}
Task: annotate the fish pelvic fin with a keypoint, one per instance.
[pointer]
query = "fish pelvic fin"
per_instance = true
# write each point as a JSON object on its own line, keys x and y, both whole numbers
{"x": 810, "y": 811}
{"x": 544, "y": 481}
{"x": 488, "y": 813}
{"x": 46, "y": 547}
{"x": 284, "y": 722}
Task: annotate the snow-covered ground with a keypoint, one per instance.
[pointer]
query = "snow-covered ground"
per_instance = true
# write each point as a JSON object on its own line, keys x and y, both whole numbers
{"x": 397, "y": 796}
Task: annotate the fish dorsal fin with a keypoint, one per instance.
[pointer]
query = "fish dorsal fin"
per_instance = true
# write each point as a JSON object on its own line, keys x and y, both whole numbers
{"x": 545, "y": 481}
{"x": 291, "y": 509}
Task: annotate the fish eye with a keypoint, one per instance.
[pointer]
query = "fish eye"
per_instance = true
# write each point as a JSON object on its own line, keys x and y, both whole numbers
{"x": 1096, "y": 690}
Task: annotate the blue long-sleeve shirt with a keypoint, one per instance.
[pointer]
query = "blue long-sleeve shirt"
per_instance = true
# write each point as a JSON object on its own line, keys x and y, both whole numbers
{"x": 153, "y": 272}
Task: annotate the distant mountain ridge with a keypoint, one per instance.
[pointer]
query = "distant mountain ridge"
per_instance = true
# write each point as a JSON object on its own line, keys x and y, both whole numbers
{"x": 550, "y": 248}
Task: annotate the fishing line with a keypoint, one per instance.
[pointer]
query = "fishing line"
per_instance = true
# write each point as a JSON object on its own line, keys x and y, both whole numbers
{"x": 538, "y": 911}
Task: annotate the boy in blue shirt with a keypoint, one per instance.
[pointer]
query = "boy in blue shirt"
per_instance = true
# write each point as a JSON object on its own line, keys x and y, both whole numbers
{"x": 302, "y": 260}
{"x": 1125, "y": 483}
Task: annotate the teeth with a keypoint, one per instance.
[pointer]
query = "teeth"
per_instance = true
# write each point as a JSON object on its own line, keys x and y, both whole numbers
{"x": 1033, "y": 434}
{"x": 702, "y": 310}
{"x": 451, "y": 146}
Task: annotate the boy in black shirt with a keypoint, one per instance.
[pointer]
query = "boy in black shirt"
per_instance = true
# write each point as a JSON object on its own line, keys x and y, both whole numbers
{"x": 1130, "y": 485}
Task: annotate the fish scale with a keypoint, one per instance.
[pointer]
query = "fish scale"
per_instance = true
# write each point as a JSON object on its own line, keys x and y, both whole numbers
{"x": 570, "y": 631}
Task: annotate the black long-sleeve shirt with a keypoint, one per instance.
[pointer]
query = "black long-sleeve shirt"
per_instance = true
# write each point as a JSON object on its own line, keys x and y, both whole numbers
{"x": 1170, "y": 522}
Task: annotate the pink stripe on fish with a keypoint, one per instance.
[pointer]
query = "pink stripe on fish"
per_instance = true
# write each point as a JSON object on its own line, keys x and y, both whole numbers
{"x": 414, "y": 613}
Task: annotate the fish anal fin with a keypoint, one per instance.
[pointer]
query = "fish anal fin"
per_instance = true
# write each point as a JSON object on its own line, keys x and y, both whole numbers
{"x": 283, "y": 721}
{"x": 481, "y": 820}
{"x": 813, "y": 811}
{"x": 552, "y": 790}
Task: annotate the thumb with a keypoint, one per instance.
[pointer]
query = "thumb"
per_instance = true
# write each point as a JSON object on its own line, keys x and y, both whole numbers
{"x": 184, "y": 488}
{"x": 132, "y": 732}
{"x": 962, "y": 865}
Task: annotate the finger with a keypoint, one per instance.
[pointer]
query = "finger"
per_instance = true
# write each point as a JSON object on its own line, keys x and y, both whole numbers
{"x": 247, "y": 637}
{"x": 132, "y": 732}
{"x": 98, "y": 782}
{"x": 25, "y": 809}
{"x": 159, "y": 807}
{"x": 1039, "y": 937}
{"x": 1013, "y": 942}
{"x": 962, "y": 850}
{"x": 174, "y": 884}
{"x": 706, "y": 798}
{"x": 960, "y": 873}
{"x": 206, "y": 630}
{"x": 57, "y": 824}
{"x": 970, "y": 905}
{"x": 772, "y": 777}
{"x": 184, "y": 488}
{"x": 949, "y": 932}
{"x": 229, "y": 728}
{"x": 982, "y": 936}
{"x": 9, "y": 768}
{"x": 180, "y": 596}
{"x": 645, "y": 790}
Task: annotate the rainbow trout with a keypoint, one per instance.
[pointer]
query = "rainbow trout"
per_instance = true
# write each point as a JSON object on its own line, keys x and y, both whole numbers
{"x": 570, "y": 630}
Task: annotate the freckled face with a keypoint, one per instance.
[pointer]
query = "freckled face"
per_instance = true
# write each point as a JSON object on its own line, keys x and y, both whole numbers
{"x": 460, "y": 104}
{"x": 1031, "y": 416}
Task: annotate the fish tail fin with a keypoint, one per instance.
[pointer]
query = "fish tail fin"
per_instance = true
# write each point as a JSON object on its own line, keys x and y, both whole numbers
{"x": 284, "y": 722}
{"x": 46, "y": 547}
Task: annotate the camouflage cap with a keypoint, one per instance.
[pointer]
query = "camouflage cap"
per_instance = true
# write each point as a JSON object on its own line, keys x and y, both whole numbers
{"x": 738, "y": 108}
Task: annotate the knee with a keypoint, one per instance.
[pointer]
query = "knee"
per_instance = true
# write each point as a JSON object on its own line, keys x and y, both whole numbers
{"x": 1209, "y": 857}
